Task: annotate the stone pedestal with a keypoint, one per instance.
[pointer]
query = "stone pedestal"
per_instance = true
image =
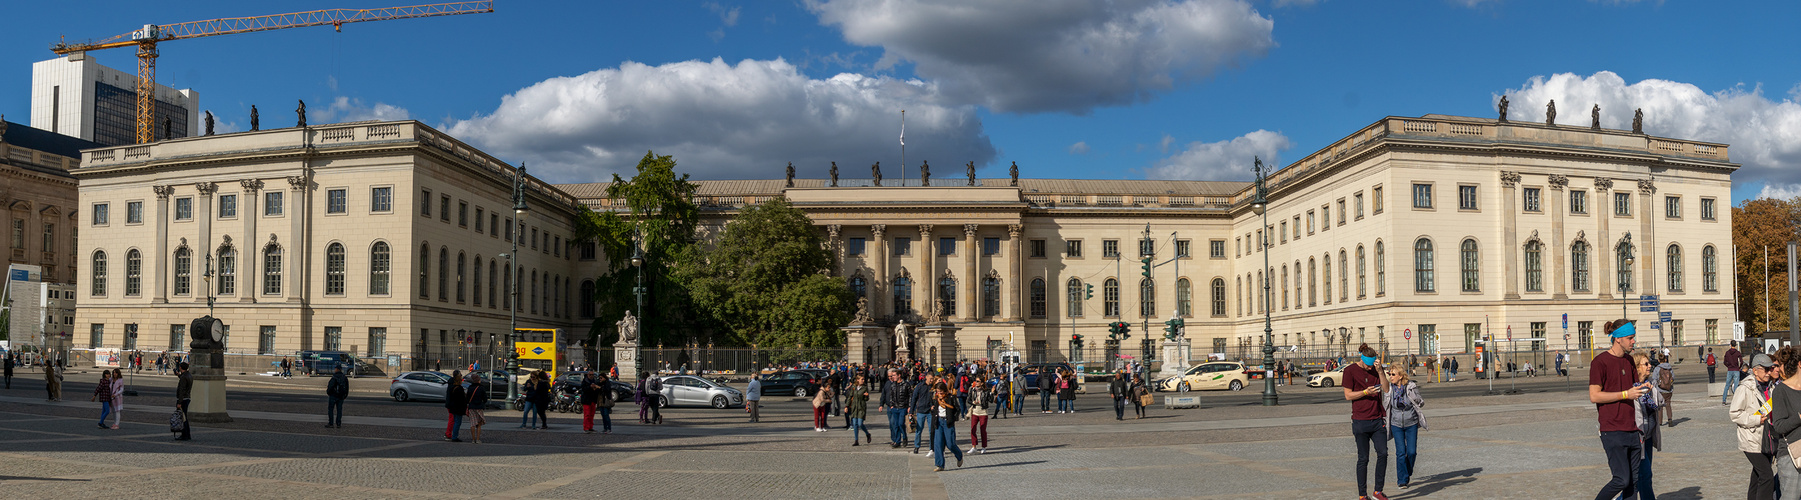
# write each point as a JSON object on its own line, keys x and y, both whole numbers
{"x": 207, "y": 406}
{"x": 865, "y": 342}
{"x": 625, "y": 355}
{"x": 938, "y": 343}
{"x": 1175, "y": 357}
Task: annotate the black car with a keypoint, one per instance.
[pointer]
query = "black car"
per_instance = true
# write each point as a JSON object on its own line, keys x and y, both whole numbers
{"x": 622, "y": 392}
{"x": 799, "y": 383}
{"x": 1032, "y": 370}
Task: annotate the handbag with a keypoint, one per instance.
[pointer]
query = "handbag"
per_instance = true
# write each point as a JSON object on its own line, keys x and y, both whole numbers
{"x": 1145, "y": 400}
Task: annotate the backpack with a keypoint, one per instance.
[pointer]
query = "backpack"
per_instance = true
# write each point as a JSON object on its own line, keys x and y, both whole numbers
{"x": 1710, "y": 359}
{"x": 1665, "y": 381}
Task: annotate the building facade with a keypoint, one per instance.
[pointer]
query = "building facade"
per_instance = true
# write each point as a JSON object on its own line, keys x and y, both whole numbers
{"x": 39, "y": 193}
{"x": 77, "y": 97}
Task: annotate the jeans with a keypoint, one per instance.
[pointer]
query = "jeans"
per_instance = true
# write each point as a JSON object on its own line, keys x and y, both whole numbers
{"x": 106, "y": 409}
{"x": 963, "y": 403}
{"x": 978, "y": 431}
{"x": 1763, "y": 479}
{"x": 1044, "y": 400}
{"x": 334, "y": 411}
{"x": 1019, "y": 403}
{"x": 897, "y": 426}
{"x": 454, "y": 428}
{"x": 1119, "y": 408}
{"x": 856, "y": 424}
{"x": 606, "y": 418}
{"x": 1732, "y": 377}
{"x": 922, "y": 422}
{"x": 183, "y": 406}
{"x": 1710, "y": 375}
{"x": 529, "y": 417}
{"x": 1066, "y": 405}
{"x": 1407, "y": 447}
{"x": 1624, "y": 450}
{"x": 944, "y": 441}
{"x": 1367, "y": 433}
{"x": 1644, "y": 476}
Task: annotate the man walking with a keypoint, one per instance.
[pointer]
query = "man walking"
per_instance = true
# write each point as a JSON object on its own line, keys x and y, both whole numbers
{"x": 1612, "y": 389}
{"x": 1047, "y": 384}
{"x": 1364, "y": 386}
{"x": 184, "y": 392}
{"x": 335, "y": 392}
{"x": 894, "y": 401}
{"x": 753, "y": 395}
{"x": 920, "y": 405}
{"x": 1118, "y": 389}
{"x": 1732, "y": 372}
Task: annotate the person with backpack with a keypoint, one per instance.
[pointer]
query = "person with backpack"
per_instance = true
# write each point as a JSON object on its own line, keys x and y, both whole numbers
{"x": 1666, "y": 383}
{"x": 650, "y": 398}
{"x": 1756, "y": 439}
{"x": 336, "y": 391}
{"x": 477, "y": 390}
{"x": 456, "y": 402}
{"x": 1711, "y": 362}
{"x": 1066, "y": 392}
{"x": 1405, "y": 421}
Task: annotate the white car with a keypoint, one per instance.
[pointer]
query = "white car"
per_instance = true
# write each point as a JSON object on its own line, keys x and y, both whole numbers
{"x": 1215, "y": 375}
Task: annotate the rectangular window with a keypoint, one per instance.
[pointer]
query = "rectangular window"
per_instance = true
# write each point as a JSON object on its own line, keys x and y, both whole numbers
{"x": 462, "y": 213}
{"x": 425, "y": 202}
{"x": 1341, "y": 213}
{"x": 903, "y": 246}
{"x": 1713, "y": 331}
{"x": 1283, "y": 236}
{"x": 1707, "y": 209}
{"x": 1422, "y": 196}
{"x": 1110, "y": 249}
{"x": 1038, "y": 249}
{"x": 184, "y": 208}
{"x": 1584, "y": 335}
{"x": 494, "y": 225}
{"x": 947, "y": 246}
{"x": 273, "y": 204}
{"x": 854, "y": 246}
{"x": 334, "y": 338}
{"x": 1215, "y": 248}
{"x": 134, "y": 212}
{"x": 1072, "y": 248}
{"x": 18, "y": 240}
{"x": 479, "y": 215}
{"x": 1531, "y": 203}
{"x": 1297, "y": 227}
{"x": 266, "y": 343}
{"x": 131, "y": 336}
{"x": 336, "y": 202}
{"x": 97, "y": 335}
{"x": 1578, "y": 202}
{"x": 534, "y": 238}
{"x": 378, "y": 341}
{"x": 444, "y": 207}
{"x": 1376, "y": 200}
{"x": 1672, "y": 207}
{"x": 228, "y": 206}
{"x": 49, "y": 240}
{"x": 381, "y": 199}
{"x": 1466, "y": 197}
{"x": 1622, "y": 204}
{"x": 991, "y": 246}
{"x": 509, "y": 229}
{"x": 100, "y": 214}
{"x": 1309, "y": 222}
{"x": 177, "y": 337}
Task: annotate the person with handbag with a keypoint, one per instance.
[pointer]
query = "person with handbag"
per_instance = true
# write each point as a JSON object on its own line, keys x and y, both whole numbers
{"x": 1141, "y": 396}
{"x": 1066, "y": 392}
{"x": 822, "y": 407}
{"x": 1666, "y": 384}
{"x": 1120, "y": 390}
{"x": 981, "y": 399}
{"x": 1750, "y": 411}
{"x": 184, "y": 394}
{"x": 456, "y": 403}
{"x": 1646, "y": 415}
{"x": 1405, "y": 421}
{"x": 1785, "y": 420}
{"x": 856, "y": 407}
{"x": 477, "y": 391}
{"x": 943, "y": 413}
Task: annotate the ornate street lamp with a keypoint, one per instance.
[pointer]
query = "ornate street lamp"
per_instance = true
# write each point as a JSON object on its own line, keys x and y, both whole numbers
{"x": 638, "y": 290}
{"x": 519, "y": 209}
{"x": 1260, "y": 206}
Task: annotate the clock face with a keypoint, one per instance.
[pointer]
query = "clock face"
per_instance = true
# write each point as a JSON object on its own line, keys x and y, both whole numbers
{"x": 218, "y": 330}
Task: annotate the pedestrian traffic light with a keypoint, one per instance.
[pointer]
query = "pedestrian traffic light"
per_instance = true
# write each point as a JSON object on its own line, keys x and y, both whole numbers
{"x": 1147, "y": 266}
{"x": 1090, "y": 292}
{"x": 1076, "y": 340}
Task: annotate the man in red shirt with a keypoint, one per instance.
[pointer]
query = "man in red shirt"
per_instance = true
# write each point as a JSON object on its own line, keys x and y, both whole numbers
{"x": 1363, "y": 387}
{"x": 1611, "y": 389}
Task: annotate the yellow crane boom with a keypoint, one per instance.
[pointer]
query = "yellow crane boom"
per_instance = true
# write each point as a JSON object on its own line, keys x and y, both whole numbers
{"x": 146, "y": 39}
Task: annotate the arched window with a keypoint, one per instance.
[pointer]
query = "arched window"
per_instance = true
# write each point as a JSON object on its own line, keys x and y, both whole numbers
{"x": 134, "y": 268}
{"x": 1344, "y": 276}
{"x": 1312, "y": 283}
{"x": 1147, "y": 298}
{"x": 859, "y": 287}
{"x": 1362, "y": 286}
{"x": 1579, "y": 266}
{"x": 425, "y": 270}
{"x": 1471, "y": 266}
{"x": 1622, "y": 252}
{"x": 475, "y": 281}
{"x": 1422, "y": 266}
{"x": 462, "y": 275}
{"x": 506, "y": 296}
{"x": 1325, "y": 277}
{"x": 1076, "y": 293}
{"x": 1110, "y": 298}
{"x": 1262, "y": 291}
{"x": 184, "y": 266}
{"x": 947, "y": 294}
{"x": 272, "y": 270}
{"x": 381, "y": 268}
{"x": 228, "y": 270}
{"x": 991, "y": 296}
{"x": 1285, "y": 287}
{"x": 97, "y": 274}
{"x": 1219, "y": 296}
{"x": 1297, "y": 284}
{"x": 492, "y": 263}
{"x": 1710, "y": 270}
{"x": 532, "y": 294}
{"x": 1185, "y": 299}
{"x": 1037, "y": 297}
{"x": 587, "y": 297}
{"x": 334, "y": 269}
{"x": 1673, "y": 256}
{"x": 1535, "y": 266}
{"x": 444, "y": 274}
{"x": 1381, "y": 271}
{"x": 903, "y": 295}
{"x": 1238, "y": 295}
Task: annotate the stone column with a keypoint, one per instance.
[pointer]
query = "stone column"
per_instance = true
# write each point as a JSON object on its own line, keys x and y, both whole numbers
{"x": 878, "y": 262}
{"x": 836, "y": 247}
{"x": 1649, "y": 254}
{"x": 1510, "y": 234}
{"x": 1013, "y": 272}
{"x": 972, "y": 282}
{"x": 204, "y": 246}
{"x": 161, "y": 284}
{"x": 1602, "y": 251}
{"x": 1558, "y": 249}
{"x": 296, "y": 255}
{"x": 250, "y": 253}
{"x": 924, "y": 297}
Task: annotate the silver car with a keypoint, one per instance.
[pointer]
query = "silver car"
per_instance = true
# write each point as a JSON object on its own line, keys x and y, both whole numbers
{"x": 696, "y": 391}
{"x": 411, "y": 386}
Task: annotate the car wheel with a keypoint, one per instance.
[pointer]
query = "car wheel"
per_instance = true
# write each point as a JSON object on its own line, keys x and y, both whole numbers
{"x": 800, "y": 392}
{"x": 400, "y": 395}
{"x": 1237, "y": 385}
{"x": 662, "y": 402}
{"x": 1183, "y": 387}
{"x": 720, "y": 402}
{"x": 1325, "y": 382}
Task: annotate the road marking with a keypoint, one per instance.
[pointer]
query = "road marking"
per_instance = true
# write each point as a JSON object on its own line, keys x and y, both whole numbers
{"x": 534, "y": 489}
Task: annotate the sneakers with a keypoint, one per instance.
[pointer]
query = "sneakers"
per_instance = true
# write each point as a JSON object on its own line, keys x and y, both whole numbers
{"x": 972, "y": 449}
{"x": 1377, "y": 495}
{"x": 960, "y": 465}
{"x": 937, "y": 469}
{"x": 984, "y": 450}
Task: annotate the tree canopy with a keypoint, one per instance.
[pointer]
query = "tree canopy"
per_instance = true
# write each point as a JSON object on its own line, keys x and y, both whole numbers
{"x": 766, "y": 280}
{"x": 662, "y": 215}
{"x": 1756, "y": 225}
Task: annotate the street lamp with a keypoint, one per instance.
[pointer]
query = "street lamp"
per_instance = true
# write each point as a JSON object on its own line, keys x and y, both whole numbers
{"x": 1260, "y": 206}
{"x": 1625, "y": 282}
{"x": 638, "y": 289}
{"x": 518, "y": 230}
{"x": 1150, "y": 251}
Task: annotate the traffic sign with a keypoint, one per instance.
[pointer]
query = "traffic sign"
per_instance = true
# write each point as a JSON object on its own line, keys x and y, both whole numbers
{"x": 1509, "y": 332}
{"x": 1566, "y": 321}
{"x": 1664, "y": 316}
{"x": 1646, "y": 309}
{"x": 1407, "y": 333}
{"x": 1657, "y": 326}
{"x": 1738, "y": 331}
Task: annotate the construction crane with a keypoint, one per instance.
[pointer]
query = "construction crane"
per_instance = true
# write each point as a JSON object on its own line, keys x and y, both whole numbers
{"x": 146, "y": 39}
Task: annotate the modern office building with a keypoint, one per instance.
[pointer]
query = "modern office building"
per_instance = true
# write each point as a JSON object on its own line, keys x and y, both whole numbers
{"x": 77, "y": 97}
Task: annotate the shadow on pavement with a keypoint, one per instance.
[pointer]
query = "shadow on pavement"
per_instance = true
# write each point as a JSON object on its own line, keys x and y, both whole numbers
{"x": 1008, "y": 464}
{"x": 1678, "y": 421}
{"x": 1437, "y": 482}
{"x": 21, "y": 478}
{"x": 1689, "y": 493}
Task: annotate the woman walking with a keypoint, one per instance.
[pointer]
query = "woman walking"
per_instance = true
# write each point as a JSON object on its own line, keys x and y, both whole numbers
{"x": 1140, "y": 395}
{"x": 822, "y": 406}
{"x": 856, "y": 406}
{"x": 541, "y": 398}
{"x": 103, "y": 392}
{"x": 1647, "y": 415}
{"x": 528, "y": 417}
{"x": 981, "y": 403}
{"x": 1785, "y": 419}
{"x": 456, "y": 401}
{"x": 1405, "y": 421}
{"x": 944, "y": 426}
{"x": 118, "y": 395}
{"x": 478, "y": 401}
{"x": 1752, "y": 418}
{"x": 605, "y": 407}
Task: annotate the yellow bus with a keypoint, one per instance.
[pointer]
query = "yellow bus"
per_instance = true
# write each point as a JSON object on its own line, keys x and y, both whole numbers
{"x": 544, "y": 356}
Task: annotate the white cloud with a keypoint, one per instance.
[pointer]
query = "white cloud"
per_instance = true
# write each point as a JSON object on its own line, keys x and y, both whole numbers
{"x": 345, "y": 109}
{"x": 1223, "y": 160}
{"x": 1764, "y": 135}
{"x": 727, "y": 16}
{"x": 1163, "y": 144}
{"x": 1079, "y": 148}
{"x": 1054, "y": 55}
{"x": 1296, "y": 3}
{"x": 1780, "y": 191}
{"x": 723, "y": 121}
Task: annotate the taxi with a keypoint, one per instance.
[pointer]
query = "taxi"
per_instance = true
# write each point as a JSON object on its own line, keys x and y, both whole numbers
{"x": 1214, "y": 375}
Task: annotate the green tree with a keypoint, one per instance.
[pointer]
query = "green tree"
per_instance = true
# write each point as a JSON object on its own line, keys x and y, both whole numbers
{"x": 660, "y": 213}
{"x": 767, "y": 280}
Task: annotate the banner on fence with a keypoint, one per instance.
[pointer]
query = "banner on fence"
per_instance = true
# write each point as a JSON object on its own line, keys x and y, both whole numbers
{"x": 106, "y": 357}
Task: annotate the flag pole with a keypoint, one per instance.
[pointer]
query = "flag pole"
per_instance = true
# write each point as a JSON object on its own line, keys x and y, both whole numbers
{"x": 903, "y": 141}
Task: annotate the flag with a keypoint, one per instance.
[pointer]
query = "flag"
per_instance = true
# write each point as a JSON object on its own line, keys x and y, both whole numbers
{"x": 903, "y": 137}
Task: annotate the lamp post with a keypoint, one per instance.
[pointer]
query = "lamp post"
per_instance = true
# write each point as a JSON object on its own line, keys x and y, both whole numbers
{"x": 1150, "y": 251}
{"x": 519, "y": 210}
{"x": 1259, "y": 206}
{"x": 1625, "y": 283}
{"x": 638, "y": 290}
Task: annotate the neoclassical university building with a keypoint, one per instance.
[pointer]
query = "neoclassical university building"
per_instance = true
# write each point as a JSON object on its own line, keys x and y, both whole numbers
{"x": 1415, "y": 234}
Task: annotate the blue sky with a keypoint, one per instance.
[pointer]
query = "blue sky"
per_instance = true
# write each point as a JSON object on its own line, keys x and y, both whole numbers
{"x": 1066, "y": 88}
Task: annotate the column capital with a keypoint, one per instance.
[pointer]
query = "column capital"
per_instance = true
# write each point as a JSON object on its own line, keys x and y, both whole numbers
{"x": 1646, "y": 186}
{"x": 969, "y": 230}
{"x": 878, "y": 229}
{"x": 832, "y": 230}
{"x": 1509, "y": 178}
{"x": 925, "y": 230}
{"x": 1603, "y": 184}
{"x": 206, "y": 188}
{"x": 301, "y": 181}
{"x": 251, "y": 184}
{"x": 1013, "y": 230}
{"x": 163, "y": 192}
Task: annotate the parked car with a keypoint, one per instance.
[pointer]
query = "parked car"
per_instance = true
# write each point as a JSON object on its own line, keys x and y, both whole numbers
{"x": 421, "y": 385}
{"x": 692, "y": 390}
{"x": 798, "y": 383}
{"x": 1208, "y": 376}
{"x": 1327, "y": 378}
{"x": 1031, "y": 372}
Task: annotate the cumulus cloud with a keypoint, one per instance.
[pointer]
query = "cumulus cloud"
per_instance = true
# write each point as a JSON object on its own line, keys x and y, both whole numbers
{"x": 723, "y": 121}
{"x": 345, "y": 109}
{"x": 1780, "y": 191}
{"x": 1764, "y": 134}
{"x": 1054, "y": 55}
{"x": 1296, "y": 3}
{"x": 1079, "y": 148}
{"x": 1223, "y": 160}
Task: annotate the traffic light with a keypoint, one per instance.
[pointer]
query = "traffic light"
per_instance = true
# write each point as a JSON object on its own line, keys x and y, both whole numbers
{"x": 1076, "y": 340}
{"x": 1123, "y": 329}
{"x": 1174, "y": 328}
{"x": 1090, "y": 295}
{"x": 1147, "y": 266}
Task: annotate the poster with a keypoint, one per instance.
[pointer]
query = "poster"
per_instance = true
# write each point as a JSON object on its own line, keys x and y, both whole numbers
{"x": 106, "y": 357}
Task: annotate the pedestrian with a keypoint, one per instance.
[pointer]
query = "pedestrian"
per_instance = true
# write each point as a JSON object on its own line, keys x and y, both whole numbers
{"x": 336, "y": 391}
{"x": 920, "y": 407}
{"x": 456, "y": 402}
{"x": 103, "y": 392}
{"x": 1732, "y": 371}
{"x": 1612, "y": 389}
{"x": 184, "y": 392}
{"x": 528, "y": 417}
{"x": 943, "y": 412}
{"x": 1120, "y": 390}
{"x": 1364, "y": 386}
{"x": 1645, "y": 415}
{"x": 118, "y": 396}
{"x": 1755, "y": 438}
{"x": 477, "y": 390}
{"x": 894, "y": 403}
{"x": 1066, "y": 392}
{"x": 287, "y": 367}
{"x": 650, "y": 397}
{"x": 53, "y": 383}
{"x": 1785, "y": 420}
{"x": 1666, "y": 384}
{"x": 981, "y": 401}
{"x": 1711, "y": 362}
{"x": 1017, "y": 380}
{"x": 1141, "y": 396}
{"x": 607, "y": 397}
{"x": 856, "y": 407}
{"x": 590, "y": 394}
{"x": 822, "y": 408}
{"x": 1405, "y": 421}
{"x": 753, "y": 397}
{"x": 541, "y": 398}
{"x": 1047, "y": 386}
{"x": 9, "y": 370}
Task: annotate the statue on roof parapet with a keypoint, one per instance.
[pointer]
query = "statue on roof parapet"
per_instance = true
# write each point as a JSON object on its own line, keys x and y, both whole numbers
{"x": 209, "y": 123}
{"x": 790, "y": 174}
{"x": 972, "y": 173}
{"x": 834, "y": 174}
{"x": 1551, "y": 113}
{"x": 925, "y": 173}
{"x": 1594, "y": 116}
{"x": 254, "y": 126}
{"x": 875, "y": 171}
{"x": 300, "y": 114}
{"x": 1014, "y": 171}
{"x": 1638, "y": 121}
{"x": 1503, "y": 109}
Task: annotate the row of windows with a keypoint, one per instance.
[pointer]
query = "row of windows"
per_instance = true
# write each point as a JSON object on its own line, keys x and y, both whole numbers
{"x": 266, "y": 338}
{"x": 1038, "y": 248}
{"x": 1532, "y": 201}
{"x": 497, "y": 227}
{"x": 274, "y": 205}
{"x": 991, "y": 293}
{"x": 1248, "y": 285}
{"x": 49, "y": 235}
{"x": 1280, "y": 230}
